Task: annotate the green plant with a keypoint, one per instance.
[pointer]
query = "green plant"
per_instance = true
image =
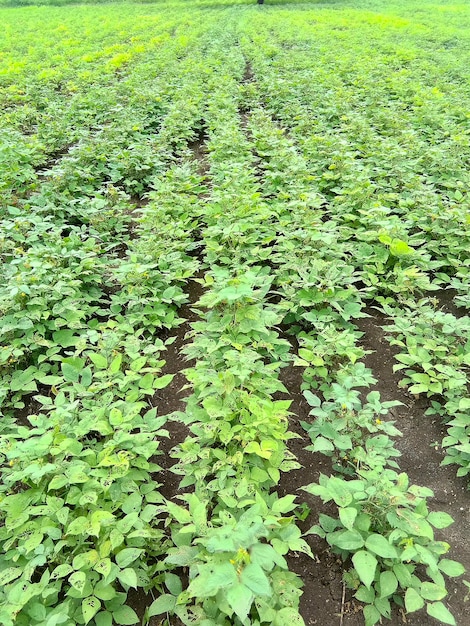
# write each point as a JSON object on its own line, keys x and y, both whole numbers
{"x": 385, "y": 528}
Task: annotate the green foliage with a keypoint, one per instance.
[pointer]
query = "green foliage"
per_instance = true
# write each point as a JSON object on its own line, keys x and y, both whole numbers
{"x": 384, "y": 525}
{"x": 158, "y": 145}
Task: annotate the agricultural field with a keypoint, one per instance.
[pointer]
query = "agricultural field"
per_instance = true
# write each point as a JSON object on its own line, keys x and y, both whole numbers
{"x": 235, "y": 313}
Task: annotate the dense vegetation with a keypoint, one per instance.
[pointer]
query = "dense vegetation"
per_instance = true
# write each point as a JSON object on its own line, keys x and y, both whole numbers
{"x": 302, "y": 163}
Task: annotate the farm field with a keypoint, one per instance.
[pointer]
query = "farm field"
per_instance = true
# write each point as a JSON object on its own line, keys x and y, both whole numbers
{"x": 234, "y": 313}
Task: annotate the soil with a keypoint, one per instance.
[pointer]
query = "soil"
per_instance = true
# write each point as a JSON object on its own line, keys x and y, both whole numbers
{"x": 325, "y": 600}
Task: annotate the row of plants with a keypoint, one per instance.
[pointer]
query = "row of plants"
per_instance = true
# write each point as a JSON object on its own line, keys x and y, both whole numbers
{"x": 396, "y": 218}
{"x": 383, "y": 528}
{"x": 234, "y": 530}
{"x": 89, "y": 284}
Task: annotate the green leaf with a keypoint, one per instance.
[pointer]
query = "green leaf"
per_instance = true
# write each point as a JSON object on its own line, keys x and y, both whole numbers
{"x": 163, "y": 604}
{"x": 103, "y": 567}
{"x": 348, "y": 516}
{"x": 379, "y": 545}
{"x": 388, "y": 584}
{"x": 288, "y": 616}
{"x": 128, "y": 577}
{"x": 61, "y": 570}
{"x": 322, "y": 445}
{"x": 138, "y": 364}
{"x": 212, "y": 577}
{"x": 163, "y": 381}
{"x": 349, "y": 540}
{"x": 441, "y": 612}
{"x": 284, "y": 504}
{"x": 125, "y": 616}
{"x": 173, "y": 584}
{"x": 65, "y": 338}
{"x": 255, "y": 579}
{"x": 371, "y": 615}
{"x": 104, "y": 591}
{"x": 180, "y": 514}
{"x": 78, "y": 526}
{"x": 104, "y": 618}
{"x": 431, "y": 591}
{"x": 400, "y": 248}
{"x": 78, "y": 580}
{"x": 240, "y": 599}
{"x": 10, "y": 573}
{"x": 365, "y": 565}
{"x": 403, "y": 575}
{"x": 70, "y": 372}
{"x": 90, "y": 606}
{"x": 98, "y": 360}
{"x": 413, "y": 601}
{"x": 127, "y": 556}
{"x": 365, "y": 595}
{"x": 266, "y": 556}
{"x": 451, "y": 568}
{"x": 439, "y": 519}
{"x": 339, "y": 492}
{"x": 115, "y": 367}
{"x": 132, "y": 503}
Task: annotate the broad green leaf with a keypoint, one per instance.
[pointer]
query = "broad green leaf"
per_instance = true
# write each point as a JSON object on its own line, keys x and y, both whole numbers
{"x": 132, "y": 503}
{"x": 127, "y": 556}
{"x": 182, "y": 556}
{"x": 371, "y": 615}
{"x": 163, "y": 381}
{"x": 348, "y": 516}
{"x": 403, "y": 575}
{"x": 255, "y": 579}
{"x": 365, "y": 565}
{"x": 212, "y": 577}
{"x": 284, "y": 504}
{"x": 365, "y": 595}
{"x": 431, "y": 591}
{"x": 78, "y": 580}
{"x": 288, "y": 616}
{"x": 240, "y": 599}
{"x": 10, "y": 573}
{"x": 441, "y": 612}
{"x": 163, "y": 604}
{"x": 125, "y": 616}
{"x": 379, "y": 545}
{"x": 98, "y": 360}
{"x": 90, "y": 606}
{"x": 65, "y": 338}
{"x": 103, "y": 567}
{"x": 104, "y": 618}
{"x": 138, "y": 363}
{"x": 180, "y": 514}
{"x": 322, "y": 445}
{"x": 128, "y": 577}
{"x": 350, "y": 540}
{"x": 266, "y": 556}
{"x": 399, "y": 248}
{"x": 115, "y": 365}
{"x": 104, "y": 591}
{"x": 451, "y": 568}
{"x": 61, "y": 570}
{"x": 440, "y": 519}
{"x": 173, "y": 583}
{"x": 388, "y": 584}
{"x": 339, "y": 492}
{"x": 383, "y": 606}
{"x": 71, "y": 373}
{"x": 413, "y": 601}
